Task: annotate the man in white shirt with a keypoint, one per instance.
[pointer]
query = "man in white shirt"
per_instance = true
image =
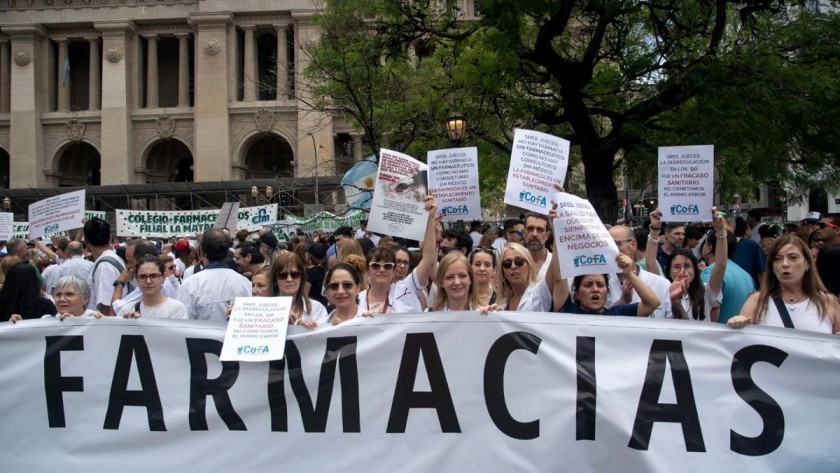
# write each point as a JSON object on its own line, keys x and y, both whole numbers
{"x": 106, "y": 267}
{"x": 207, "y": 293}
{"x": 475, "y": 232}
{"x": 537, "y": 231}
{"x": 754, "y": 222}
{"x": 76, "y": 264}
{"x": 625, "y": 240}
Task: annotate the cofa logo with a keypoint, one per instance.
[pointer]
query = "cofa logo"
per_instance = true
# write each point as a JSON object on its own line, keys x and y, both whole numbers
{"x": 594, "y": 260}
{"x": 249, "y": 350}
{"x": 51, "y": 228}
{"x": 690, "y": 209}
{"x": 527, "y": 196}
{"x": 454, "y": 210}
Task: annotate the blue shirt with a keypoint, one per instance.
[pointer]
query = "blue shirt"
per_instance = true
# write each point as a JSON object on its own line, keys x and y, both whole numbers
{"x": 750, "y": 257}
{"x": 737, "y": 286}
{"x": 628, "y": 310}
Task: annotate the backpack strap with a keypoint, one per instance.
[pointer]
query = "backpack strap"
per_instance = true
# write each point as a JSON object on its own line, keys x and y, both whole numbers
{"x": 107, "y": 259}
{"x": 783, "y": 312}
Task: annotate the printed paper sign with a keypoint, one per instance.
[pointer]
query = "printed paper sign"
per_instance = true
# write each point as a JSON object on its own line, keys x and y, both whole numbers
{"x": 6, "y": 225}
{"x": 582, "y": 242}
{"x": 257, "y": 329}
{"x": 538, "y": 162}
{"x": 398, "y": 208}
{"x": 453, "y": 180}
{"x": 686, "y": 183}
{"x": 164, "y": 224}
{"x": 228, "y": 216}
{"x": 58, "y": 213}
{"x": 21, "y": 229}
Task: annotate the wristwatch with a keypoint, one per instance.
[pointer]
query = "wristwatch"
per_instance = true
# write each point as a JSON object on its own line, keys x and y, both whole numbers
{"x": 119, "y": 283}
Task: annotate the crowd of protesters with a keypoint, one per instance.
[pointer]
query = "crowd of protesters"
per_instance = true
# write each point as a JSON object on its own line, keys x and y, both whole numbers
{"x": 732, "y": 271}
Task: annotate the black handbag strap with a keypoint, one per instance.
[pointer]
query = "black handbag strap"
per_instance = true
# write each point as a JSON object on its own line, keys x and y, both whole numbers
{"x": 783, "y": 312}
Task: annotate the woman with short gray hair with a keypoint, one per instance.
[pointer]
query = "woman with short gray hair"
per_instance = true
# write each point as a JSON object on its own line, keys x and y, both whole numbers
{"x": 71, "y": 295}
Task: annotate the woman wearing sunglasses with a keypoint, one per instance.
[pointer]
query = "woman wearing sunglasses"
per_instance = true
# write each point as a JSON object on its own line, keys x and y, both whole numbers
{"x": 149, "y": 273}
{"x": 342, "y": 287}
{"x": 386, "y": 294}
{"x": 289, "y": 276}
{"x": 516, "y": 282}
{"x": 483, "y": 262}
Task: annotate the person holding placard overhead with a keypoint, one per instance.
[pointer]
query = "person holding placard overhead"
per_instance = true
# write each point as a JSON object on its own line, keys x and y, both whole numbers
{"x": 690, "y": 297}
{"x": 791, "y": 294}
{"x": 386, "y": 295}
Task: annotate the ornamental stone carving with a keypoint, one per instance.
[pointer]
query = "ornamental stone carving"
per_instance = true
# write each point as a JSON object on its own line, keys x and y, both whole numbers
{"x": 211, "y": 47}
{"x": 264, "y": 118}
{"x": 22, "y": 58}
{"x": 113, "y": 55}
{"x": 165, "y": 126}
{"x": 75, "y": 129}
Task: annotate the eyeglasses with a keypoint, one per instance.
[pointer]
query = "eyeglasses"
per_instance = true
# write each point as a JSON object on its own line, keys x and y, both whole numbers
{"x": 822, "y": 225}
{"x": 621, "y": 242}
{"x": 518, "y": 262}
{"x": 518, "y": 232}
{"x": 483, "y": 249}
{"x": 403, "y": 262}
{"x": 285, "y": 275}
{"x": 333, "y": 286}
{"x": 446, "y": 250}
{"x": 149, "y": 277}
{"x": 376, "y": 266}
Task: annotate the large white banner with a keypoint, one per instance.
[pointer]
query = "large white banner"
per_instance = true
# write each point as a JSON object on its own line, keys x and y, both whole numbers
{"x": 453, "y": 180}
{"x": 686, "y": 183}
{"x": 538, "y": 161}
{"x": 398, "y": 208}
{"x": 426, "y": 392}
{"x": 57, "y": 214}
{"x": 163, "y": 224}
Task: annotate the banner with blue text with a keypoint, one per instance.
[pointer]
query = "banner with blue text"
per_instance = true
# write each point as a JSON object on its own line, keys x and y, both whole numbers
{"x": 431, "y": 392}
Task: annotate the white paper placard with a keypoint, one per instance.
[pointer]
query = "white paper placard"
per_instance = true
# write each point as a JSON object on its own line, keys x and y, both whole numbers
{"x": 398, "y": 207}
{"x": 582, "y": 243}
{"x": 257, "y": 329}
{"x": 686, "y": 183}
{"x": 58, "y": 213}
{"x": 6, "y": 225}
{"x": 453, "y": 180}
{"x": 538, "y": 162}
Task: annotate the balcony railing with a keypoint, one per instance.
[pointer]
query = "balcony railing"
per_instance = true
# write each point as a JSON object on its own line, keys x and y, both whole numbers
{"x": 61, "y": 4}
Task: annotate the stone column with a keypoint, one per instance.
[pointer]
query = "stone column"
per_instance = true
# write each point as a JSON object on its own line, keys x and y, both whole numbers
{"x": 316, "y": 123}
{"x": 183, "y": 69}
{"x": 5, "y": 76}
{"x": 63, "y": 85}
{"x": 357, "y": 146}
{"x": 94, "y": 83}
{"x": 282, "y": 64}
{"x": 151, "y": 71}
{"x": 249, "y": 76}
{"x": 118, "y": 80}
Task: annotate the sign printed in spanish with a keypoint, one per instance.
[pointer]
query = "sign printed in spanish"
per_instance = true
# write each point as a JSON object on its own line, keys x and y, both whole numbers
{"x": 686, "y": 182}
{"x": 583, "y": 244}
{"x": 398, "y": 208}
{"x": 538, "y": 161}
{"x": 21, "y": 229}
{"x": 6, "y": 225}
{"x": 453, "y": 180}
{"x": 164, "y": 224}
{"x": 322, "y": 220}
{"x": 257, "y": 329}
{"x": 58, "y": 213}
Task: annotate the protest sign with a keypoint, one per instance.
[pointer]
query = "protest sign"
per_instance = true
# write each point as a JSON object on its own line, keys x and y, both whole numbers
{"x": 583, "y": 243}
{"x": 538, "y": 162}
{"x": 58, "y": 213}
{"x": 228, "y": 216}
{"x": 421, "y": 392}
{"x": 257, "y": 328}
{"x": 686, "y": 183}
{"x": 453, "y": 180}
{"x": 398, "y": 208}
{"x": 164, "y": 224}
{"x": 6, "y": 225}
{"x": 21, "y": 229}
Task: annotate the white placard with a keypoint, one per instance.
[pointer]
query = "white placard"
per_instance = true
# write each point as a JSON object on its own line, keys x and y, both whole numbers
{"x": 21, "y": 229}
{"x": 6, "y": 225}
{"x": 257, "y": 329}
{"x": 58, "y": 213}
{"x": 538, "y": 162}
{"x": 398, "y": 208}
{"x": 686, "y": 183}
{"x": 164, "y": 224}
{"x": 453, "y": 180}
{"x": 582, "y": 243}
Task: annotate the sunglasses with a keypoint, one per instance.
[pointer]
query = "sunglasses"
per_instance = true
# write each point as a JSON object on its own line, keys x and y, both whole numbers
{"x": 518, "y": 232}
{"x": 518, "y": 262}
{"x": 333, "y": 286}
{"x": 376, "y": 266}
{"x": 445, "y": 251}
{"x": 285, "y": 275}
{"x": 822, "y": 225}
{"x": 483, "y": 249}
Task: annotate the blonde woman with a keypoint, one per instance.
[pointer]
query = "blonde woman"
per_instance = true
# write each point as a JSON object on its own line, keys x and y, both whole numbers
{"x": 455, "y": 279}
{"x": 516, "y": 282}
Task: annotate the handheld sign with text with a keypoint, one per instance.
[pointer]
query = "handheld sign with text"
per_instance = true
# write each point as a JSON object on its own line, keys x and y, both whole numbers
{"x": 686, "y": 182}
{"x": 398, "y": 208}
{"x": 21, "y": 229}
{"x": 257, "y": 329}
{"x": 538, "y": 161}
{"x": 453, "y": 180}
{"x": 58, "y": 213}
{"x": 228, "y": 216}
{"x": 6, "y": 225}
{"x": 583, "y": 242}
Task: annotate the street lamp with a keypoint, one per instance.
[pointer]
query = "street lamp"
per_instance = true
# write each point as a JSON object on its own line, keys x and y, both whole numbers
{"x": 7, "y": 203}
{"x": 315, "y": 152}
{"x": 456, "y": 126}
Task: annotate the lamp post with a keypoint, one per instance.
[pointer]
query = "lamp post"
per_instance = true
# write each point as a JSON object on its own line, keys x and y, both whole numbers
{"x": 315, "y": 152}
{"x": 456, "y": 127}
{"x": 7, "y": 203}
